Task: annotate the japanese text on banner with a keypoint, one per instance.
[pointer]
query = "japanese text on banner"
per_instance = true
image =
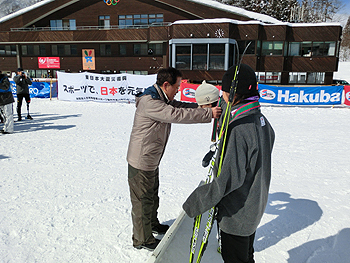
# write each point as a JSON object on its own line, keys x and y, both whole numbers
{"x": 102, "y": 87}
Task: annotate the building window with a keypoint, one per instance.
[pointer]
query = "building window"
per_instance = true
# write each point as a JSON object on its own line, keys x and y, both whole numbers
{"x": 8, "y": 50}
{"x": 139, "y": 19}
{"x": 273, "y": 77}
{"x": 258, "y": 48}
{"x": 329, "y": 48}
{"x": 140, "y": 72}
{"x": 155, "y": 49}
{"x": 243, "y": 44}
{"x": 155, "y": 18}
{"x": 105, "y": 50}
{"x": 297, "y": 77}
{"x": 125, "y": 21}
{"x": 42, "y": 73}
{"x": 183, "y": 57}
{"x": 232, "y": 52}
{"x": 323, "y": 48}
{"x": 269, "y": 77}
{"x": 315, "y": 49}
{"x": 64, "y": 50}
{"x": 122, "y": 49}
{"x": 56, "y": 24}
{"x": 309, "y": 78}
{"x": 306, "y": 49}
{"x": 159, "y": 18}
{"x": 72, "y": 24}
{"x": 104, "y": 21}
{"x": 33, "y": 50}
{"x": 217, "y": 56}
{"x": 151, "y": 18}
{"x": 272, "y": 48}
{"x": 136, "y": 72}
{"x": 65, "y": 24}
{"x": 202, "y": 54}
{"x": 199, "y": 56}
{"x": 148, "y": 49}
{"x": 261, "y": 77}
{"x": 315, "y": 78}
{"x": 140, "y": 49}
{"x": 294, "y": 49}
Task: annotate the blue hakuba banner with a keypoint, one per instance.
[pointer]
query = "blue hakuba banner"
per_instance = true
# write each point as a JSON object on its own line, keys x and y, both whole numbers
{"x": 321, "y": 95}
{"x": 38, "y": 89}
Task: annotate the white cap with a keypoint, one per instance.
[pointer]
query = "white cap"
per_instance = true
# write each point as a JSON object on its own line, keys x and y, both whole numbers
{"x": 206, "y": 93}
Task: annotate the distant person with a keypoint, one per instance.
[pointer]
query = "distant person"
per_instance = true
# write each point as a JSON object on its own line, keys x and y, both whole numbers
{"x": 207, "y": 95}
{"x": 240, "y": 192}
{"x": 156, "y": 109}
{"x": 22, "y": 86}
{"x": 6, "y": 107}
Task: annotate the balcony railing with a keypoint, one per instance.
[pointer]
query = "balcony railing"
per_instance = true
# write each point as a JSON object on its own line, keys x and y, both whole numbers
{"x": 91, "y": 27}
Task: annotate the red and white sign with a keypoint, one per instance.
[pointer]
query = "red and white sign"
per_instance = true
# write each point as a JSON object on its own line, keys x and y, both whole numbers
{"x": 49, "y": 62}
{"x": 188, "y": 91}
{"x": 347, "y": 95}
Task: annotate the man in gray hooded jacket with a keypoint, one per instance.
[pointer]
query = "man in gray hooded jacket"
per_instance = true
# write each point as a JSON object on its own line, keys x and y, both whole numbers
{"x": 240, "y": 192}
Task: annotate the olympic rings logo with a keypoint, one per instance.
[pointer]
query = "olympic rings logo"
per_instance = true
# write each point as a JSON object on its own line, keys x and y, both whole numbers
{"x": 111, "y": 2}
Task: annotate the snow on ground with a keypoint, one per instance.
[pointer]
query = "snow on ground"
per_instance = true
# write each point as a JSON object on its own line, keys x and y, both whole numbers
{"x": 64, "y": 194}
{"x": 343, "y": 71}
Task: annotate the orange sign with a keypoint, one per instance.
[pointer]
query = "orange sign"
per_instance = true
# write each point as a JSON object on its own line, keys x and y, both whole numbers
{"x": 88, "y": 59}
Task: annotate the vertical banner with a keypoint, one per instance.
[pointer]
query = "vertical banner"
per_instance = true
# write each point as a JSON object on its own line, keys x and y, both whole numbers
{"x": 88, "y": 59}
{"x": 347, "y": 95}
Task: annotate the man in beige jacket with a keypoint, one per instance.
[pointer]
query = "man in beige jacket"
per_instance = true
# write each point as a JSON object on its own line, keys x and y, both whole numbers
{"x": 156, "y": 109}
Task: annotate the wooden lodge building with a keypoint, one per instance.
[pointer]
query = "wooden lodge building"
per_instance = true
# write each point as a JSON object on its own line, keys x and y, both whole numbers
{"x": 199, "y": 37}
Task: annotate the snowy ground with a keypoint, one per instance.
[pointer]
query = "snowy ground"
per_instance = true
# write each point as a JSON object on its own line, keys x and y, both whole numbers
{"x": 64, "y": 195}
{"x": 343, "y": 71}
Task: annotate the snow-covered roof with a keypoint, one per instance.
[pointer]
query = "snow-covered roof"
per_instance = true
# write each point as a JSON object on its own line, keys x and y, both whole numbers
{"x": 209, "y": 3}
{"x": 233, "y": 21}
{"x": 237, "y": 10}
{"x": 25, "y": 10}
{"x": 257, "y": 18}
{"x": 215, "y": 20}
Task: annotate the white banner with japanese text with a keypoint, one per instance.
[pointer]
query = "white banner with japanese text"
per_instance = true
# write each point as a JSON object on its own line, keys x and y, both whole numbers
{"x": 87, "y": 86}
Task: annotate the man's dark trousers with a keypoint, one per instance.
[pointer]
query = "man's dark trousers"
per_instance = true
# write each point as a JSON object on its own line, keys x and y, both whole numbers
{"x": 143, "y": 187}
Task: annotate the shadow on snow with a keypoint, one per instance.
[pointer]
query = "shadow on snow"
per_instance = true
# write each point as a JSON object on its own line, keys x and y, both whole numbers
{"x": 42, "y": 122}
{"x": 333, "y": 249}
{"x": 293, "y": 215}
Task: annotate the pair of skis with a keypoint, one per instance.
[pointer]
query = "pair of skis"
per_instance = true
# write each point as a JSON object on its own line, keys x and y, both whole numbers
{"x": 212, "y": 156}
